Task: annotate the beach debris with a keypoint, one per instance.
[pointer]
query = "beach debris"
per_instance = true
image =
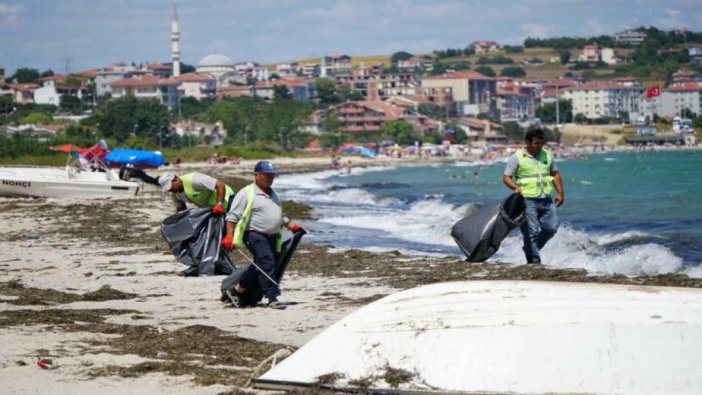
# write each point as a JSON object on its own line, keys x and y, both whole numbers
{"x": 45, "y": 363}
{"x": 270, "y": 362}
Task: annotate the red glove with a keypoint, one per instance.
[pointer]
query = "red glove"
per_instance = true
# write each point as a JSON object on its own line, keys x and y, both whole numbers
{"x": 218, "y": 209}
{"x": 294, "y": 227}
{"x": 227, "y": 243}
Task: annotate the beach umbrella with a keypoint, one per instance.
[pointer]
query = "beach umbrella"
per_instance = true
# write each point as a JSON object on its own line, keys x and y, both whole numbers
{"x": 65, "y": 148}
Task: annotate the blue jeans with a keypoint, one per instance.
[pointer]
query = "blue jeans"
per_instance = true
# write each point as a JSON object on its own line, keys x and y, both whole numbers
{"x": 262, "y": 248}
{"x": 540, "y": 225}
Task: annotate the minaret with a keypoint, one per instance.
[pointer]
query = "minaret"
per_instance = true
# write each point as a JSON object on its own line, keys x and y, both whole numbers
{"x": 175, "y": 41}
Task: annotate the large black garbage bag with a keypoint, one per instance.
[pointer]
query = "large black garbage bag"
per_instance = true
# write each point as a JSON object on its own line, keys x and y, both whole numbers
{"x": 480, "y": 233}
{"x": 194, "y": 237}
{"x": 247, "y": 274}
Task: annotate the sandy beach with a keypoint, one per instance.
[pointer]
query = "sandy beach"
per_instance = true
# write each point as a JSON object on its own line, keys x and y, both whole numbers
{"x": 91, "y": 286}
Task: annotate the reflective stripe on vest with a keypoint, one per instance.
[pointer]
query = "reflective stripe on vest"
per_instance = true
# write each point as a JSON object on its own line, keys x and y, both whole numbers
{"x": 534, "y": 176}
{"x": 243, "y": 223}
{"x": 203, "y": 198}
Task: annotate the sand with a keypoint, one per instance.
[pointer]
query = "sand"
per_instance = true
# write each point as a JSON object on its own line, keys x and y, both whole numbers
{"x": 90, "y": 285}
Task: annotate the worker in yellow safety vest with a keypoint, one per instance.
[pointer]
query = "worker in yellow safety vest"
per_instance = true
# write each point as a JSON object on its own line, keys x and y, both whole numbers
{"x": 255, "y": 220}
{"x": 198, "y": 189}
{"x": 531, "y": 172}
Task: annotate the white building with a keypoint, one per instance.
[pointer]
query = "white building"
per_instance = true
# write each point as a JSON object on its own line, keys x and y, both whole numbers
{"x": 676, "y": 99}
{"x": 629, "y": 37}
{"x": 165, "y": 90}
{"x": 201, "y": 87}
{"x": 52, "y": 89}
{"x": 603, "y": 99}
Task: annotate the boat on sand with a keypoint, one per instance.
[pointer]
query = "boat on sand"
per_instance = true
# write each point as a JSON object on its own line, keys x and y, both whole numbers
{"x": 516, "y": 337}
{"x": 58, "y": 182}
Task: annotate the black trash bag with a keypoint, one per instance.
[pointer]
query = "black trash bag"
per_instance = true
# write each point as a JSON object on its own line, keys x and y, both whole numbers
{"x": 194, "y": 236}
{"x": 480, "y": 233}
{"x": 247, "y": 274}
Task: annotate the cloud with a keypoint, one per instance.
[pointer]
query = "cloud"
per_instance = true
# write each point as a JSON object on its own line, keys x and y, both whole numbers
{"x": 536, "y": 30}
{"x": 9, "y": 14}
{"x": 671, "y": 21}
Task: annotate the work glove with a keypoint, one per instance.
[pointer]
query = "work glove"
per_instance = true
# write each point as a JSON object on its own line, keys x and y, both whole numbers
{"x": 294, "y": 227}
{"x": 218, "y": 209}
{"x": 227, "y": 243}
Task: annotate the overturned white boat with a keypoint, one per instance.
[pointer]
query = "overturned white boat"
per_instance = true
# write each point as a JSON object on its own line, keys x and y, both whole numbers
{"x": 58, "y": 182}
{"x": 516, "y": 337}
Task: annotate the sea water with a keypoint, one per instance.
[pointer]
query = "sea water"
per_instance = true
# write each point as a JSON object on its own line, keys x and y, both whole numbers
{"x": 629, "y": 213}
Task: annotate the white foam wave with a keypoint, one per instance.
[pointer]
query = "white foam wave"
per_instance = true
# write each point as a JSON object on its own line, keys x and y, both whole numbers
{"x": 611, "y": 238}
{"x": 572, "y": 248}
{"x": 694, "y": 271}
{"x": 424, "y": 222}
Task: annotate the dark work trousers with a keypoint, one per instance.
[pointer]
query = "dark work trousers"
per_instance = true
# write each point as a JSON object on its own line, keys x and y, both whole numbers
{"x": 262, "y": 248}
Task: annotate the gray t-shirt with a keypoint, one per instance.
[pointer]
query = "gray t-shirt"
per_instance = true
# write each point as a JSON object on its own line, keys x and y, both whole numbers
{"x": 266, "y": 214}
{"x": 201, "y": 182}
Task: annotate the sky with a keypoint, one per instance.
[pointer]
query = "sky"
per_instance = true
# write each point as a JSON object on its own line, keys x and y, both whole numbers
{"x": 77, "y": 35}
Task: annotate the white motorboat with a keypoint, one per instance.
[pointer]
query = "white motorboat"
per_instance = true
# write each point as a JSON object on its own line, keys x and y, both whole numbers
{"x": 58, "y": 182}
{"x": 515, "y": 337}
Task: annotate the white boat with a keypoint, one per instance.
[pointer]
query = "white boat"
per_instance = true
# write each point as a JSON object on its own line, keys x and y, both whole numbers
{"x": 58, "y": 182}
{"x": 516, "y": 337}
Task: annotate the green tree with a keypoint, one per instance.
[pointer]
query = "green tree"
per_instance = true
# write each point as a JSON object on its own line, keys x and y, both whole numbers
{"x": 331, "y": 136}
{"x": 486, "y": 70}
{"x": 25, "y": 75}
{"x": 401, "y": 132}
{"x": 143, "y": 118}
{"x": 547, "y": 112}
{"x": 71, "y": 104}
{"x": 191, "y": 108}
{"x": 564, "y": 55}
{"x": 7, "y": 105}
{"x": 513, "y": 71}
{"x": 37, "y": 118}
{"x": 326, "y": 91}
{"x": 281, "y": 92}
{"x": 401, "y": 55}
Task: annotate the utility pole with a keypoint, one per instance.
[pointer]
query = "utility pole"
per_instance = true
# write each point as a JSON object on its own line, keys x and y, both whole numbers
{"x": 246, "y": 136}
{"x": 280, "y": 136}
{"x": 558, "y": 98}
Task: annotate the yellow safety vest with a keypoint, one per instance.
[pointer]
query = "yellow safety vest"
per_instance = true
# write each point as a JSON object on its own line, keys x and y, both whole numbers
{"x": 243, "y": 223}
{"x": 203, "y": 198}
{"x": 534, "y": 174}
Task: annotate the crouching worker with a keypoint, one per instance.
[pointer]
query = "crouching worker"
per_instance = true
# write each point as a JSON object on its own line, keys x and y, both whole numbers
{"x": 256, "y": 220}
{"x": 198, "y": 189}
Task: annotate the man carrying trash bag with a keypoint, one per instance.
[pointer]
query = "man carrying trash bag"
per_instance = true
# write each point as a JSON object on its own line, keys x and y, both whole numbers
{"x": 193, "y": 235}
{"x": 255, "y": 220}
{"x": 536, "y": 177}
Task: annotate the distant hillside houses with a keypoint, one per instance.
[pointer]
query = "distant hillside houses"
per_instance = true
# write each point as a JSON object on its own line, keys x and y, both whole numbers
{"x": 484, "y": 46}
{"x": 596, "y": 53}
{"x": 629, "y": 37}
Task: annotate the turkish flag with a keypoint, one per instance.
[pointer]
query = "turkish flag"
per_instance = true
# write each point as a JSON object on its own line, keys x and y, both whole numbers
{"x": 653, "y": 92}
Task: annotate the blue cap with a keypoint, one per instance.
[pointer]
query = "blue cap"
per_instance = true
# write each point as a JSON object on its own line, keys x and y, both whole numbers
{"x": 265, "y": 166}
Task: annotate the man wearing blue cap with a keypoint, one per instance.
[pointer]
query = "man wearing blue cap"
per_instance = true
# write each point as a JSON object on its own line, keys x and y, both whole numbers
{"x": 256, "y": 220}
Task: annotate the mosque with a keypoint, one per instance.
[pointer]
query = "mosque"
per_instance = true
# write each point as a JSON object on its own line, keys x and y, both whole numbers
{"x": 214, "y": 65}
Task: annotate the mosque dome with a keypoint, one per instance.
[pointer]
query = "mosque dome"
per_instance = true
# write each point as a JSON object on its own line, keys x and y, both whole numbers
{"x": 215, "y": 59}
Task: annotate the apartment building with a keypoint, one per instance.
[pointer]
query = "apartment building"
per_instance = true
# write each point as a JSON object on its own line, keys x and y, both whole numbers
{"x": 472, "y": 92}
{"x": 200, "y": 87}
{"x": 603, "y": 99}
{"x": 165, "y": 90}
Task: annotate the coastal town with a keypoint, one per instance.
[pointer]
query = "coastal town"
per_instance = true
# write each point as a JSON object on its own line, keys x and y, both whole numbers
{"x": 480, "y": 96}
{"x": 232, "y": 198}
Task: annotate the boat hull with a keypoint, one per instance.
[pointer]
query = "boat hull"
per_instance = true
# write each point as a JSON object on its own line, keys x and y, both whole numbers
{"x": 58, "y": 183}
{"x": 516, "y": 337}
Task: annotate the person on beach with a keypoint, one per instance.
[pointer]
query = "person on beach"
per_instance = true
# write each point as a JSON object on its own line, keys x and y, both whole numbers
{"x": 198, "y": 189}
{"x": 532, "y": 173}
{"x": 256, "y": 220}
